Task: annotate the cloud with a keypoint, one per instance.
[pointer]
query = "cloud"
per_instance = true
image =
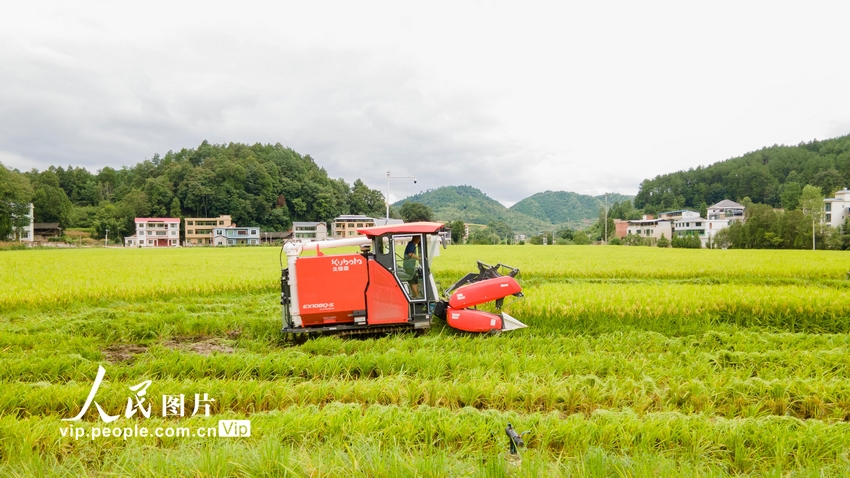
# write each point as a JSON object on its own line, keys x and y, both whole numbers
{"x": 511, "y": 100}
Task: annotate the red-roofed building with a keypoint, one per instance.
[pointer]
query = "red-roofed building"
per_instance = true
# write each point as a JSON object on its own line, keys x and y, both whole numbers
{"x": 155, "y": 232}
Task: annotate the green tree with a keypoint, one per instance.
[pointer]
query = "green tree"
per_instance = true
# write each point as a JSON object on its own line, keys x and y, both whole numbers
{"x": 565, "y": 234}
{"x": 482, "y": 236}
{"x": 174, "y": 209}
{"x": 278, "y": 220}
{"x": 581, "y": 238}
{"x": 196, "y": 191}
{"x": 690, "y": 241}
{"x": 363, "y": 200}
{"x": 601, "y": 228}
{"x": 108, "y": 218}
{"x": 415, "y": 211}
{"x": 15, "y": 196}
{"x": 624, "y": 210}
{"x": 457, "y": 228}
{"x": 663, "y": 242}
{"x": 790, "y": 196}
{"x": 50, "y": 201}
{"x": 500, "y": 229}
{"x": 811, "y": 203}
{"x": 829, "y": 181}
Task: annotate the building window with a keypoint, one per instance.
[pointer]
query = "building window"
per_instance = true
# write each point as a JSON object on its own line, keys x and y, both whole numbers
{"x": 828, "y": 207}
{"x": 190, "y": 223}
{"x": 829, "y": 218}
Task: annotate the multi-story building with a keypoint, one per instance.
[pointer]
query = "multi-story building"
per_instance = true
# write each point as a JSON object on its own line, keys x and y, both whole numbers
{"x": 621, "y": 228}
{"x": 23, "y": 231}
{"x": 199, "y": 230}
{"x": 685, "y": 222}
{"x": 155, "y": 232}
{"x": 650, "y": 227}
{"x": 689, "y": 223}
{"x": 233, "y": 236}
{"x": 837, "y": 209}
{"x": 726, "y": 209}
{"x": 692, "y": 224}
{"x": 310, "y": 231}
{"x": 347, "y": 225}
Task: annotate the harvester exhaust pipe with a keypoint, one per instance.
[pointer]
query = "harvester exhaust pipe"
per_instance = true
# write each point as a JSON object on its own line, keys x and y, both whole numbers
{"x": 292, "y": 251}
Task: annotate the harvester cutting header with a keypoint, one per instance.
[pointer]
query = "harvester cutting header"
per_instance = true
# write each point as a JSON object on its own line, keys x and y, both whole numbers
{"x": 388, "y": 286}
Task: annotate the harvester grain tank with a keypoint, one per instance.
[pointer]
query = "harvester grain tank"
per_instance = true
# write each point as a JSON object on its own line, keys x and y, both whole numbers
{"x": 385, "y": 288}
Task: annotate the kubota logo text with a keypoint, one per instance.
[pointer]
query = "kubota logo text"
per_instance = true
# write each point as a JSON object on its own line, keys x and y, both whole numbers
{"x": 347, "y": 262}
{"x": 322, "y": 305}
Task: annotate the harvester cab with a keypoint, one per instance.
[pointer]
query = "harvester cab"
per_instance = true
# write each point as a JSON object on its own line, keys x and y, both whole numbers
{"x": 387, "y": 286}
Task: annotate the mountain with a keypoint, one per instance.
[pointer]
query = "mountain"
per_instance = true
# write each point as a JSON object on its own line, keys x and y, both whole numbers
{"x": 470, "y": 205}
{"x": 548, "y": 211}
{"x": 773, "y": 176}
{"x": 562, "y": 207}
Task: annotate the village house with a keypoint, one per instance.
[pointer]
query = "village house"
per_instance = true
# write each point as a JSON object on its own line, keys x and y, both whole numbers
{"x": 837, "y": 209}
{"x": 199, "y": 230}
{"x": 309, "y": 231}
{"x": 347, "y": 225}
{"x": 155, "y": 232}
{"x": 236, "y": 236}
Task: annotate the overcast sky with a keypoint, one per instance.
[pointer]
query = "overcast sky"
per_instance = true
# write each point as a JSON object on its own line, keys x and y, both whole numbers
{"x": 513, "y": 98}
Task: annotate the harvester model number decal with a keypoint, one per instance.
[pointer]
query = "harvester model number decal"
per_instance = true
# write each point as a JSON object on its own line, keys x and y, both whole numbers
{"x": 323, "y": 305}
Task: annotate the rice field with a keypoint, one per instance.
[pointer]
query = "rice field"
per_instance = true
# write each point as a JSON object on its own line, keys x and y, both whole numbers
{"x": 637, "y": 362}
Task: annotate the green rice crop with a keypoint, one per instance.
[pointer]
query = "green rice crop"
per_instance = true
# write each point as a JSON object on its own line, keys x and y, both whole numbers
{"x": 636, "y": 362}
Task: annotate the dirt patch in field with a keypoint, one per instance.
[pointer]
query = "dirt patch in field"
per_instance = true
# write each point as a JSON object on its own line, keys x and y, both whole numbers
{"x": 123, "y": 352}
{"x": 200, "y": 345}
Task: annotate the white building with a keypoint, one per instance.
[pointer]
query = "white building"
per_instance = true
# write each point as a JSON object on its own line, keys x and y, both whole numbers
{"x": 233, "y": 236}
{"x": 837, "y": 209}
{"x": 27, "y": 232}
{"x": 310, "y": 231}
{"x": 651, "y": 227}
{"x": 347, "y": 225}
{"x": 155, "y": 232}
{"x": 726, "y": 209}
{"x": 691, "y": 224}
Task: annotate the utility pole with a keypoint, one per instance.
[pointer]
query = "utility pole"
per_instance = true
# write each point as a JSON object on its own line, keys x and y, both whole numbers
{"x": 106, "y": 239}
{"x": 388, "y": 188}
{"x": 606, "y": 219}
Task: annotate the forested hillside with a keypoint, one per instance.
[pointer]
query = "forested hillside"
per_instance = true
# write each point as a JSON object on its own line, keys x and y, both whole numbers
{"x": 470, "y": 205}
{"x": 562, "y": 207}
{"x": 773, "y": 176}
{"x": 259, "y": 185}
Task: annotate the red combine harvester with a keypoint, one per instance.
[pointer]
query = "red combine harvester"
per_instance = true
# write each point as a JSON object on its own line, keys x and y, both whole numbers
{"x": 384, "y": 288}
